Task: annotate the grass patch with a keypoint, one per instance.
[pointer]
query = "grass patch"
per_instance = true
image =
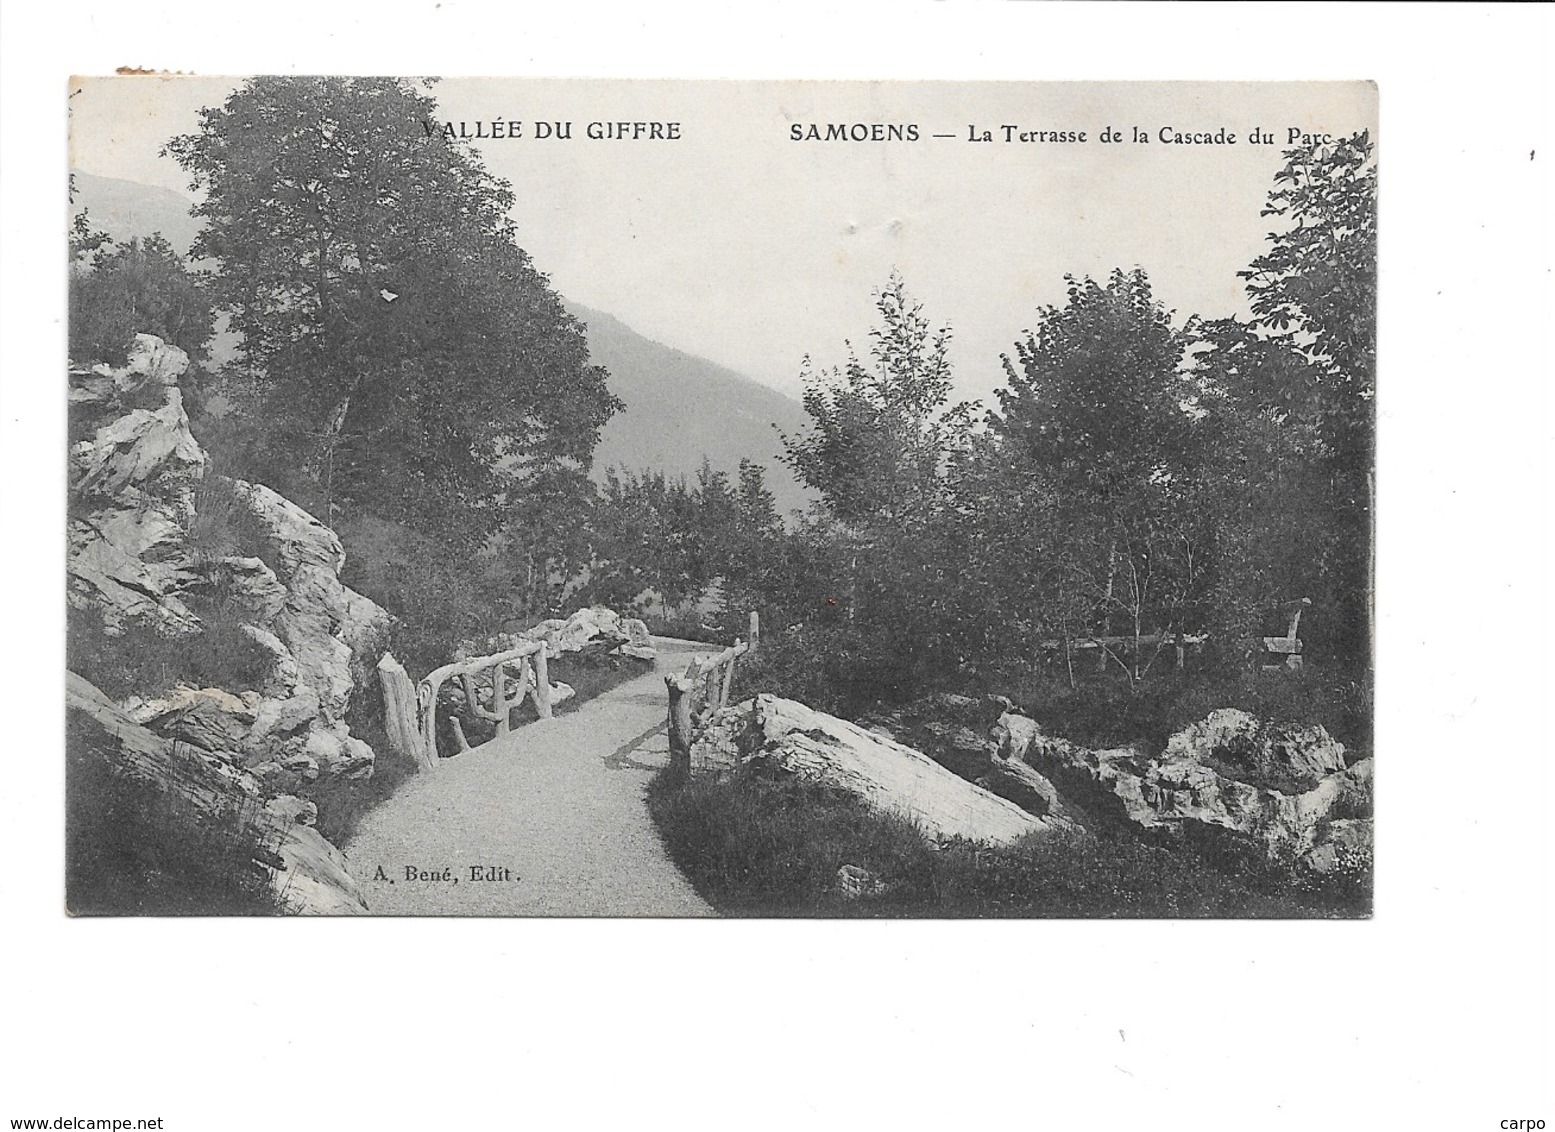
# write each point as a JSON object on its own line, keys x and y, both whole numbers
{"x": 141, "y": 661}
{"x": 133, "y": 849}
{"x": 762, "y": 843}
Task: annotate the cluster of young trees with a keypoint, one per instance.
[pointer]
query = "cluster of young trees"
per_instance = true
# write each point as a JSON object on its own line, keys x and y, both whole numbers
{"x": 1138, "y": 480}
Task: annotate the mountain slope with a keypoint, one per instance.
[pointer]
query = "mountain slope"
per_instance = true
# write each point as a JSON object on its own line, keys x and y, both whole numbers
{"x": 127, "y": 208}
{"x": 680, "y": 407}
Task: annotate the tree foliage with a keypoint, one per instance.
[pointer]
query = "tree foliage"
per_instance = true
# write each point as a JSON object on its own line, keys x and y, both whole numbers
{"x": 1097, "y": 389}
{"x": 879, "y": 431}
{"x": 141, "y": 287}
{"x": 1317, "y": 283}
{"x": 418, "y": 364}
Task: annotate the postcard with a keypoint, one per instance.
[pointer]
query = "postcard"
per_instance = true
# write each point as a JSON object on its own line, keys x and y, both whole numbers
{"x": 519, "y": 497}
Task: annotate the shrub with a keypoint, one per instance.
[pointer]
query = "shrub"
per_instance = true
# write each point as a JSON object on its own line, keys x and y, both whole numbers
{"x": 224, "y": 526}
{"x": 144, "y": 287}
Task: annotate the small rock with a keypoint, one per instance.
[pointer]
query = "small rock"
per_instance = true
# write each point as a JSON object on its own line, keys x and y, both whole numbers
{"x": 854, "y": 882}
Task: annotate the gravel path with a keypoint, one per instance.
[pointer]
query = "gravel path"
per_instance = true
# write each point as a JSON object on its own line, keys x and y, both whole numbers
{"x": 550, "y": 821}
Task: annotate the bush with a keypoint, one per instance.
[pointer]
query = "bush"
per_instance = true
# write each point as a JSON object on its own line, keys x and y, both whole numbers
{"x": 224, "y": 526}
{"x": 834, "y": 669}
{"x": 142, "y": 287}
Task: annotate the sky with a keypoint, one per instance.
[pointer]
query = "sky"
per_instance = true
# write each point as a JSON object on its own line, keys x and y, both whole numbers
{"x": 744, "y": 246}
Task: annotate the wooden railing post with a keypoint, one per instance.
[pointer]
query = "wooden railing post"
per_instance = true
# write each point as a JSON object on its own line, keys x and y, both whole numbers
{"x": 499, "y": 700}
{"x": 728, "y": 682}
{"x": 542, "y": 684}
{"x": 399, "y": 714}
{"x": 679, "y": 724}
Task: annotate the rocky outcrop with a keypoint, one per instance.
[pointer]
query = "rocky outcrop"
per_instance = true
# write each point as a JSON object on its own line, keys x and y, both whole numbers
{"x": 307, "y": 874}
{"x": 1272, "y": 754}
{"x": 169, "y": 553}
{"x": 961, "y": 734}
{"x": 140, "y": 494}
{"x": 1185, "y": 789}
{"x": 132, "y": 472}
{"x": 889, "y": 776}
{"x": 332, "y": 634}
{"x": 593, "y": 630}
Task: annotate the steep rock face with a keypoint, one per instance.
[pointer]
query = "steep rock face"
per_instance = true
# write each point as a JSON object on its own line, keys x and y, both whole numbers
{"x": 307, "y": 874}
{"x": 1178, "y": 789}
{"x": 159, "y": 547}
{"x": 889, "y": 776}
{"x": 333, "y": 635}
{"x": 132, "y": 474}
{"x": 137, "y": 479}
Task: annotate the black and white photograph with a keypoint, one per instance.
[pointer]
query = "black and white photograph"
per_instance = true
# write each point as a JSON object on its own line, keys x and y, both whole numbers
{"x": 514, "y": 498}
{"x": 902, "y": 564}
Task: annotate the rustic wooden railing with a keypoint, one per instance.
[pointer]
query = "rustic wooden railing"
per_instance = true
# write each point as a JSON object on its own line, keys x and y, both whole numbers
{"x": 700, "y": 694}
{"x": 1285, "y": 650}
{"x": 530, "y": 680}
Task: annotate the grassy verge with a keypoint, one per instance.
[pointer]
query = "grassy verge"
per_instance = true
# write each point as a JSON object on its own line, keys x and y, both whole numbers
{"x": 760, "y": 843}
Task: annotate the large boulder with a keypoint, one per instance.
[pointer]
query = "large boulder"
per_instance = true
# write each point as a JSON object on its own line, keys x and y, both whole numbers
{"x": 964, "y": 735}
{"x": 1280, "y": 755}
{"x": 307, "y": 874}
{"x": 889, "y": 776}
{"x": 212, "y": 719}
{"x": 594, "y": 628}
{"x": 639, "y": 644}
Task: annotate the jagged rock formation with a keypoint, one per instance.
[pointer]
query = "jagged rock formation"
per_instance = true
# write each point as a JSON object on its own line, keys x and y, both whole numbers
{"x": 1282, "y": 787}
{"x": 163, "y": 553}
{"x": 889, "y": 776}
{"x": 132, "y": 480}
{"x": 593, "y": 629}
{"x": 1319, "y": 813}
{"x": 307, "y": 874}
{"x": 141, "y": 501}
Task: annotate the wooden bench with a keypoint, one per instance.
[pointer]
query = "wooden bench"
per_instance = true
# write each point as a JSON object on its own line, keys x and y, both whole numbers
{"x": 1286, "y": 650}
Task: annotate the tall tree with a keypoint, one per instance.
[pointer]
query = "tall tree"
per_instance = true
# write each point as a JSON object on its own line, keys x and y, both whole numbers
{"x": 1297, "y": 384}
{"x": 422, "y": 366}
{"x": 1317, "y": 284}
{"x": 879, "y": 431}
{"x": 881, "y": 436}
{"x": 1099, "y": 449}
